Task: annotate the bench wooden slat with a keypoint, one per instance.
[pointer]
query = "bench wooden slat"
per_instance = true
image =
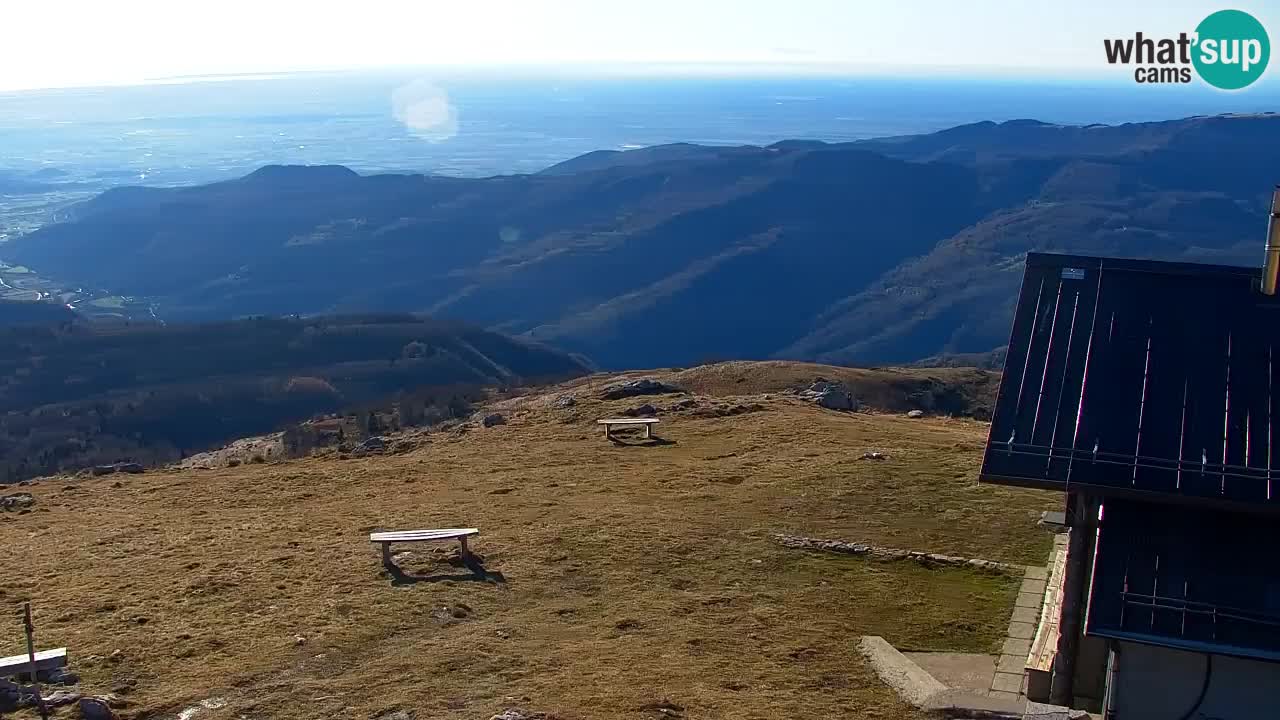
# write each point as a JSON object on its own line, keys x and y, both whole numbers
{"x": 45, "y": 660}
{"x": 423, "y": 535}
{"x": 628, "y": 421}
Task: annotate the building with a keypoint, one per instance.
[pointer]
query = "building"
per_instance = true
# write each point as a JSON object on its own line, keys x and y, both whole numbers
{"x": 1149, "y": 394}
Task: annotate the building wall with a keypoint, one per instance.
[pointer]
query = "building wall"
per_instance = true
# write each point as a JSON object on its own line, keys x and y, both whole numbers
{"x": 1090, "y": 673}
{"x": 1155, "y": 683}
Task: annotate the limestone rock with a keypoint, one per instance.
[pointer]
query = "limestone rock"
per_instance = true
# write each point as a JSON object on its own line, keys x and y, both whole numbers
{"x": 517, "y": 714}
{"x": 372, "y": 444}
{"x": 58, "y": 698}
{"x": 646, "y": 410}
{"x": 61, "y": 676}
{"x": 633, "y": 388}
{"x": 566, "y": 401}
{"x": 96, "y": 708}
{"x": 17, "y": 501}
{"x": 493, "y": 419}
{"x": 916, "y": 414}
{"x": 830, "y": 395}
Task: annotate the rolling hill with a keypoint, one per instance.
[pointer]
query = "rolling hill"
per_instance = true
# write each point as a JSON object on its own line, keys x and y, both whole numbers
{"x": 76, "y": 393}
{"x": 882, "y": 251}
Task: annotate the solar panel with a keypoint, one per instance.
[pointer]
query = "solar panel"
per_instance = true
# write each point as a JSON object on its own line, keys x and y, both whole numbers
{"x": 1186, "y": 577}
{"x": 1141, "y": 377}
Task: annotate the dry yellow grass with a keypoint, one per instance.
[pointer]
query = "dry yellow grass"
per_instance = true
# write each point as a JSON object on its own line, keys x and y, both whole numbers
{"x": 634, "y": 575}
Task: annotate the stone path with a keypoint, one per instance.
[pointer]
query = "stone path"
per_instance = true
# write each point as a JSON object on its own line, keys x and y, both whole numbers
{"x": 1007, "y": 683}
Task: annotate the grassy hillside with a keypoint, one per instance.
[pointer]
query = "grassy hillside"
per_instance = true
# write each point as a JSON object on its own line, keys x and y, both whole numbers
{"x": 635, "y": 576}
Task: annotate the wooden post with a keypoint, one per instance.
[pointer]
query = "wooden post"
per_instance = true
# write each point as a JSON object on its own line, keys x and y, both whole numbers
{"x": 31, "y": 654}
{"x": 386, "y": 554}
{"x": 463, "y": 540}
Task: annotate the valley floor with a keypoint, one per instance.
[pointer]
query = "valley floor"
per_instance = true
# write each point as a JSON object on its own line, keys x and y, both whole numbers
{"x": 637, "y": 578}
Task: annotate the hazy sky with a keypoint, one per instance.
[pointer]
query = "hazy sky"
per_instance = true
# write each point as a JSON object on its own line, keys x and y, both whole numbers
{"x": 50, "y": 43}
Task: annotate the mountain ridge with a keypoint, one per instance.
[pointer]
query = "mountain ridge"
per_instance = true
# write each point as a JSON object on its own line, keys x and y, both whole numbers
{"x": 872, "y": 252}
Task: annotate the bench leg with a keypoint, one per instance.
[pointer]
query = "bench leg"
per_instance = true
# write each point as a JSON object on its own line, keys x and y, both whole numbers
{"x": 648, "y": 431}
{"x": 606, "y": 432}
{"x": 386, "y": 554}
{"x": 465, "y": 551}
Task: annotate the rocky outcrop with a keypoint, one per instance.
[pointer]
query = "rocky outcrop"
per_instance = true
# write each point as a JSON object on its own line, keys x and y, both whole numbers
{"x": 124, "y": 467}
{"x": 830, "y": 395}
{"x": 634, "y": 388}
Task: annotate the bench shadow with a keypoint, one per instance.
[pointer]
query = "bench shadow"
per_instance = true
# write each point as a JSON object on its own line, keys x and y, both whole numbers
{"x": 643, "y": 442}
{"x": 478, "y": 573}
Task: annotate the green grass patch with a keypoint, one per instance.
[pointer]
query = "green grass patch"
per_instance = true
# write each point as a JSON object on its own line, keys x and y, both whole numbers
{"x": 912, "y": 606}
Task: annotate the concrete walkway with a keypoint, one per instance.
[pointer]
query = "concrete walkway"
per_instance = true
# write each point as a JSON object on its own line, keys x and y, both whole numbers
{"x": 958, "y": 671}
{"x": 1007, "y": 683}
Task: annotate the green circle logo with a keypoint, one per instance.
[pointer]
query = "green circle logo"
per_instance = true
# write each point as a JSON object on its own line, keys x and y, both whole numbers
{"x": 1232, "y": 49}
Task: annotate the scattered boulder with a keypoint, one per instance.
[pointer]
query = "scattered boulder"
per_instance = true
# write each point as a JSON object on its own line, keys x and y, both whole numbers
{"x": 96, "y": 708}
{"x": 10, "y": 696}
{"x": 396, "y": 714}
{"x": 132, "y": 468}
{"x": 58, "y": 698}
{"x": 17, "y": 501}
{"x": 61, "y": 676}
{"x": 372, "y": 444}
{"x": 517, "y": 714}
{"x": 646, "y": 410}
{"x": 874, "y": 455}
{"x": 566, "y": 401}
{"x": 915, "y": 414}
{"x": 665, "y": 708}
{"x": 634, "y": 388}
{"x": 493, "y": 419}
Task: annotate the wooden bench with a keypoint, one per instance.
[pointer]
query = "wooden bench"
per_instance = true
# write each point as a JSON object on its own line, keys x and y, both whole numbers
{"x": 402, "y": 536}
{"x": 45, "y": 660}
{"x": 609, "y": 424}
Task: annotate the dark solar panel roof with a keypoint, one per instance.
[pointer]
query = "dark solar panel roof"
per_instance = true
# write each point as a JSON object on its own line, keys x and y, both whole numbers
{"x": 1142, "y": 377}
{"x": 1186, "y": 577}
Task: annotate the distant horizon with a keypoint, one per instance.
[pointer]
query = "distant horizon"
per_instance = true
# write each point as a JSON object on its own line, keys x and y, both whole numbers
{"x": 676, "y": 71}
{"x": 139, "y": 41}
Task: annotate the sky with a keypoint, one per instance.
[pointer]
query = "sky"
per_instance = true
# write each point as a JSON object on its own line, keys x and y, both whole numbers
{"x": 67, "y": 43}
